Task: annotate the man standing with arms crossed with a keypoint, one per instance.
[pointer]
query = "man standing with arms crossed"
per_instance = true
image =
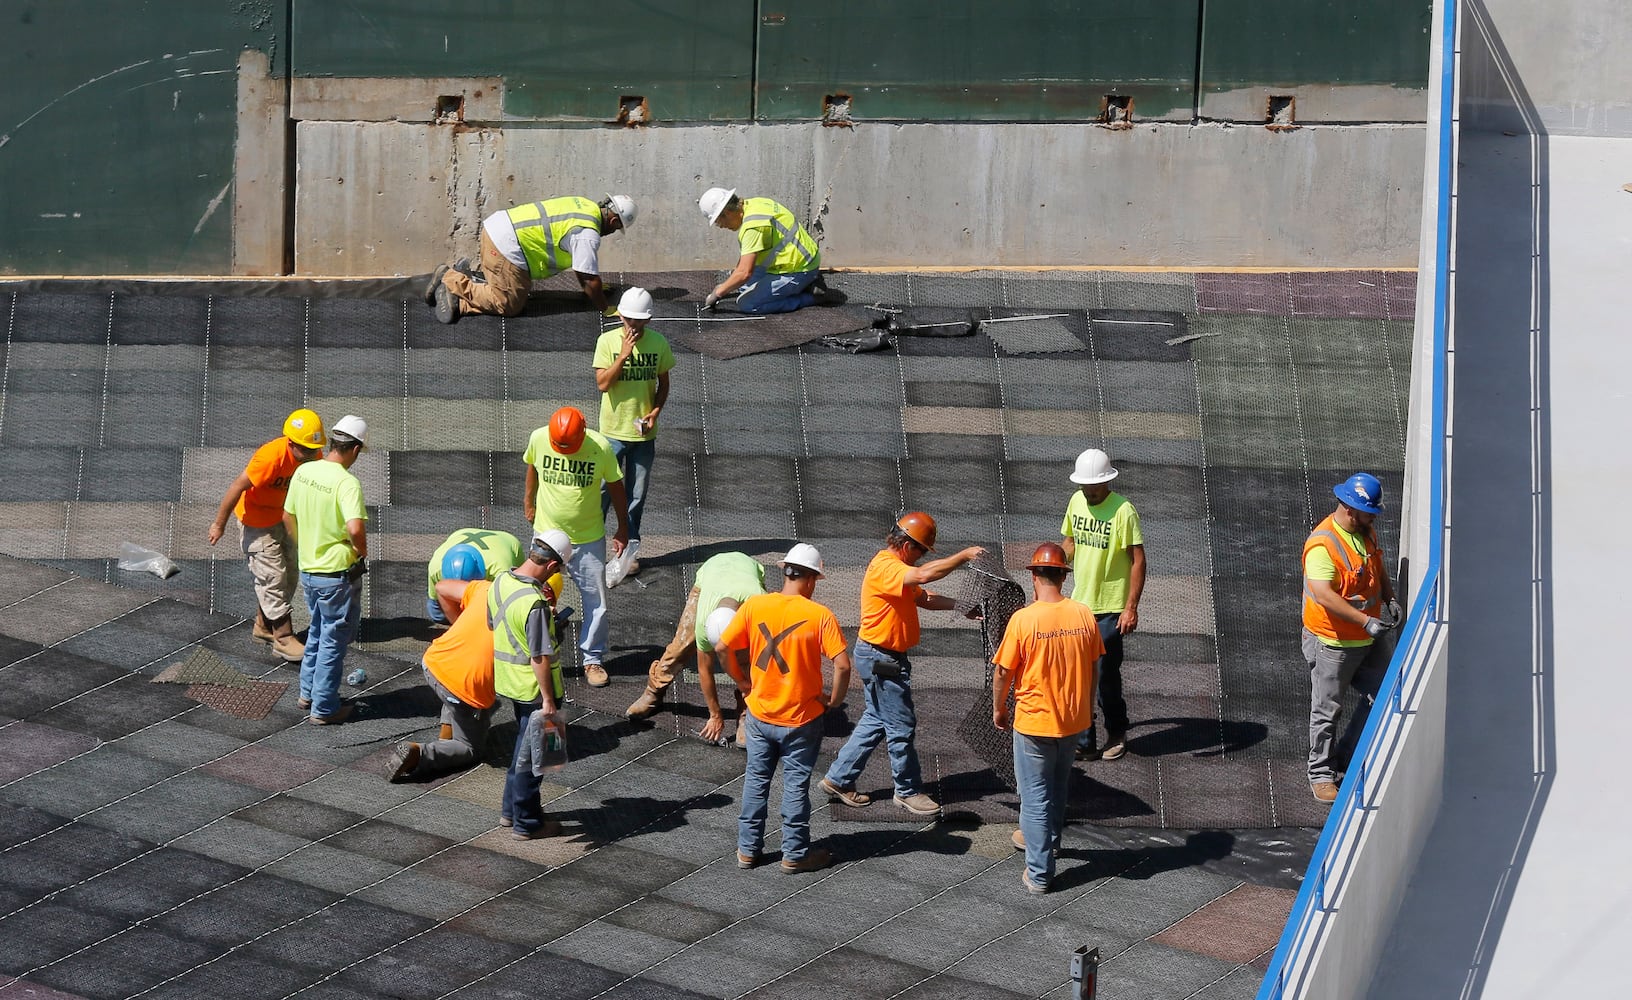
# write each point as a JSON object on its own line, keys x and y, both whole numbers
{"x": 1107, "y": 550}
{"x": 326, "y": 520}
{"x": 632, "y": 367}
{"x": 1047, "y": 657}
{"x": 519, "y": 610}
{"x": 891, "y": 594}
{"x": 1348, "y": 602}
{"x": 257, "y": 496}
{"x": 566, "y": 465}
{"x": 774, "y": 648}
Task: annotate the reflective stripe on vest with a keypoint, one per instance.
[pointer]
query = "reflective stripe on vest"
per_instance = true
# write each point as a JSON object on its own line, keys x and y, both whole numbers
{"x": 509, "y": 648}
{"x": 542, "y": 226}
{"x": 1359, "y": 581}
{"x": 793, "y": 251}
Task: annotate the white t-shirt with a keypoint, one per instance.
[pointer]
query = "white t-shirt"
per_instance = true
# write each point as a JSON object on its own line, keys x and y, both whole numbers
{"x": 584, "y": 244}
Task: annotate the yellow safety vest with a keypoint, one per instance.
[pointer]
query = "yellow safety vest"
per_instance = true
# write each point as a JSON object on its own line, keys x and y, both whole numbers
{"x": 512, "y": 660}
{"x": 541, "y": 226}
{"x": 794, "y": 249}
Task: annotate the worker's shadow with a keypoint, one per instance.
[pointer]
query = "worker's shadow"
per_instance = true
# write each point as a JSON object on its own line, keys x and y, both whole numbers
{"x": 390, "y": 629}
{"x": 1139, "y": 863}
{"x": 946, "y": 838}
{"x": 618, "y": 817}
{"x": 1195, "y": 736}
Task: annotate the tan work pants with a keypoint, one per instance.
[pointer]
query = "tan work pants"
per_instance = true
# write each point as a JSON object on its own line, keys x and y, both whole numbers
{"x": 681, "y": 649}
{"x": 272, "y": 565}
{"x": 503, "y": 294}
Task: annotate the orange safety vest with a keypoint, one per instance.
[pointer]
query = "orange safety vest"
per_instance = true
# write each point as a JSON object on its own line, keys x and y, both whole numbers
{"x": 1359, "y": 581}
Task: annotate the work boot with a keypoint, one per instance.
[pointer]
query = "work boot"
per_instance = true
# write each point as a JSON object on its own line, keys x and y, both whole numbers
{"x": 814, "y": 861}
{"x": 403, "y": 761}
{"x": 595, "y": 674}
{"x": 446, "y": 305}
{"x": 919, "y": 804}
{"x": 464, "y": 267}
{"x": 1018, "y": 839}
{"x": 647, "y": 704}
{"x": 849, "y": 796}
{"x": 1324, "y": 791}
{"x": 335, "y": 717}
{"x": 284, "y": 642}
{"x": 435, "y": 283}
{"x": 1115, "y": 746}
{"x": 261, "y": 629}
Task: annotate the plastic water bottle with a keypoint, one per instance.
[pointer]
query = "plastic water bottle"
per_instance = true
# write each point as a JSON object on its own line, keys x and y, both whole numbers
{"x": 357, "y": 678}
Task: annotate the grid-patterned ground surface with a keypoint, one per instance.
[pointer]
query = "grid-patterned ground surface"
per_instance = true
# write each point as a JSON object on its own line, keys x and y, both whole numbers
{"x": 156, "y": 838}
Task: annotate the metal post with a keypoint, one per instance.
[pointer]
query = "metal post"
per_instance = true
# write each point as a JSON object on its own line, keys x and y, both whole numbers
{"x": 1084, "y": 973}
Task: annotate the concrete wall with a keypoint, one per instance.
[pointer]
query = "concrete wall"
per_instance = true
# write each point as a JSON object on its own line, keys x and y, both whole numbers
{"x": 396, "y": 197}
{"x": 1570, "y": 58}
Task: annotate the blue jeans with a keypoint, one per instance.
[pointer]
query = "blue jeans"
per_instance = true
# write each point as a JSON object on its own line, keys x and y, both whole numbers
{"x": 1042, "y": 776}
{"x": 1113, "y": 708}
{"x": 521, "y": 785}
{"x": 433, "y": 611}
{"x": 889, "y": 718}
{"x": 587, "y": 567}
{"x": 336, "y": 608}
{"x": 796, "y": 749}
{"x": 777, "y": 293}
{"x": 635, "y": 459}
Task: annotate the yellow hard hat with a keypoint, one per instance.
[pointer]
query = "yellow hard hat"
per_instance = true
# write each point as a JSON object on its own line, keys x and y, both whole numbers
{"x": 554, "y": 584}
{"x": 304, "y": 428}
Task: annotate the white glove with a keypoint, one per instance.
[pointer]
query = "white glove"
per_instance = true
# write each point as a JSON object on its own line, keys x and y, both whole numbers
{"x": 710, "y": 301}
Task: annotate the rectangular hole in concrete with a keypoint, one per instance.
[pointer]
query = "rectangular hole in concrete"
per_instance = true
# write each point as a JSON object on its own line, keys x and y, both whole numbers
{"x": 1281, "y": 115}
{"x": 633, "y": 110}
{"x": 1116, "y": 111}
{"x": 450, "y": 108}
{"x": 836, "y": 111}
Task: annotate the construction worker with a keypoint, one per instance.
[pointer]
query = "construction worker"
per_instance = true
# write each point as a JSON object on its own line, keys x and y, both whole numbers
{"x": 1348, "y": 603}
{"x": 256, "y": 497}
{"x": 492, "y": 552}
{"x": 632, "y": 365}
{"x": 529, "y": 243}
{"x": 891, "y": 594}
{"x": 1101, "y": 534}
{"x": 566, "y": 467}
{"x": 780, "y": 262}
{"x": 328, "y": 523}
{"x": 1047, "y": 659}
{"x": 519, "y": 604}
{"x": 723, "y": 581}
{"x": 774, "y": 645}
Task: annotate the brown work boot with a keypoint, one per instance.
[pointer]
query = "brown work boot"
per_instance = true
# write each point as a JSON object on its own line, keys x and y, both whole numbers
{"x": 814, "y": 861}
{"x": 647, "y": 704}
{"x": 261, "y": 629}
{"x": 849, "y": 796}
{"x": 919, "y": 804}
{"x": 284, "y": 642}
{"x": 1018, "y": 839}
{"x": 1324, "y": 791}
{"x": 335, "y": 717}
{"x": 549, "y": 828}
{"x": 403, "y": 761}
{"x": 595, "y": 674}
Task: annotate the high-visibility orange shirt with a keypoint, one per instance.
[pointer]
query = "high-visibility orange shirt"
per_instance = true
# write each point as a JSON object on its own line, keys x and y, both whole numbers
{"x": 269, "y": 469}
{"x": 889, "y": 604}
{"x": 786, "y": 637}
{"x": 461, "y": 659}
{"x": 1052, "y": 650}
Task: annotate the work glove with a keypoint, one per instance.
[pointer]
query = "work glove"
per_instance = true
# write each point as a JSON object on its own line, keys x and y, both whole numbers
{"x": 1394, "y": 613}
{"x": 1376, "y": 627}
{"x": 710, "y": 301}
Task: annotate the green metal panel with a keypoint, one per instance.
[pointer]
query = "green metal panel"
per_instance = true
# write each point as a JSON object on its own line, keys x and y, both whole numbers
{"x": 1288, "y": 43}
{"x": 691, "y": 59}
{"x": 116, "y": 151}
{"x": 962, "y": 60}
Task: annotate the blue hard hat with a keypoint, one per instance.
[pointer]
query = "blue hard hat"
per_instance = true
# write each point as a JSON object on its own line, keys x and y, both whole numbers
{"x": 464, "y": 562}
{"x": 1361, "y": 491}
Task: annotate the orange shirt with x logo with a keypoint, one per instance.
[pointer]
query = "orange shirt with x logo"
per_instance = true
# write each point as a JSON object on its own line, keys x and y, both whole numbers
{"x": 786, "y": 636}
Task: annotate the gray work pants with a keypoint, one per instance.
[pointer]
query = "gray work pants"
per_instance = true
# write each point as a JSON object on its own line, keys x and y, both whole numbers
{"x": 1331, "y": 670}
{"x": 468, "y": 727}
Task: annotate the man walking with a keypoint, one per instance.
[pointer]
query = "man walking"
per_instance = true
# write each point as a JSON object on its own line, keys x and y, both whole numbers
{"x": 1348, "y": 602}
{"x": 891, "y": 594}
{"x": 493, "y": 552}
{"x": 566, "y": 467}
{"x": 774, "y": 649}
{"x": 529, "y": 243}
{"x": 459, "y": 669}
{"x": 1047, "y": 658}
{"x": 326, "y": 520}
{"x": 256, "y": 497}
{"x": 1107, "y": 551}
{"x": 723, "y": 581}
{"x": 632, "y": 365}
{"x": 519, "y": 606}
{"x": 779, "y": 260}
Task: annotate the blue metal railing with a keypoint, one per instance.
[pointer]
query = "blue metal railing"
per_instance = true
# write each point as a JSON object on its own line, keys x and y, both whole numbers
{"x": 1335, "y": 852}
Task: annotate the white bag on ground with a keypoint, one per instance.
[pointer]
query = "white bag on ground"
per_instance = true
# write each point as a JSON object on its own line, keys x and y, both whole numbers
{"x": 135, "y": 559}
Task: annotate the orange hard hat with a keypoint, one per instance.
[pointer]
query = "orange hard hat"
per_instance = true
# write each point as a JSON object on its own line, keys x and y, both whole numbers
{"x": 567, "y": 430}
{"x": 1049, "y": 555}
{"x": 919, "y": 527}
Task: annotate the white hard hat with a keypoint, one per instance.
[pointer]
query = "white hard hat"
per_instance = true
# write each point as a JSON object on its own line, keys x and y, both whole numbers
{"x": 625, "y": 207}
{"x": 1093, "y": 466}
{"x": 804, "y": 554}
{"x": 636, "y": 303}
{"x": 558, "y": 541}
{"x": 352, "y": 427}
{"x": 713, "y": 202}
{"x": 715, "y": 624}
